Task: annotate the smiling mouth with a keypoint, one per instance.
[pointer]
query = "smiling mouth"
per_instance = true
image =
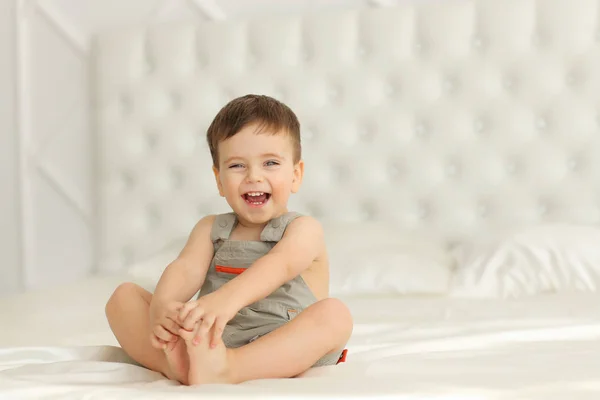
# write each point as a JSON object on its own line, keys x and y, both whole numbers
{"x": 256, "y": 198}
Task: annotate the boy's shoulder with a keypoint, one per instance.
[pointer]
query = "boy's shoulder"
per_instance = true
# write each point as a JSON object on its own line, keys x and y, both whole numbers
{"x": 304, "y": 225}
{"x": 204, "y": 226}
{"x": 303, "y": 238}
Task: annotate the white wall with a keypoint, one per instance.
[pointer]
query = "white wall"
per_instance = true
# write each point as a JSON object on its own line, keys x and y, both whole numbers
{"x": 9, "y": 200}
{"x": 50, "y": 216}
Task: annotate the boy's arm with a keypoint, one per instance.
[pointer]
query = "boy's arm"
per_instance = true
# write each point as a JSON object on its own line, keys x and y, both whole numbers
{"x": 301, "y": 244}
{"x": 184, "y": 276}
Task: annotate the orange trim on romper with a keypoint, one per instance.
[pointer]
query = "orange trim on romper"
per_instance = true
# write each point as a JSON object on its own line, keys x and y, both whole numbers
{"x": 229, "y": 270}
{"x": 343, "y": 356}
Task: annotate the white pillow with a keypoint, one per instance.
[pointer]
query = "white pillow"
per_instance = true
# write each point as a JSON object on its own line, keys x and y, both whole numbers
{"x": 375, "y": 259}
{"x": 531, "y": 261}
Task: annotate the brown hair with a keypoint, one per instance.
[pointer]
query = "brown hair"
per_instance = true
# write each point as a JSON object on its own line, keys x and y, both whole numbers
{"x": 269, "y": 113}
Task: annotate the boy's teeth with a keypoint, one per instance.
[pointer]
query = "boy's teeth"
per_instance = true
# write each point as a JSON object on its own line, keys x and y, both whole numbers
{"x": 256, "y": 198}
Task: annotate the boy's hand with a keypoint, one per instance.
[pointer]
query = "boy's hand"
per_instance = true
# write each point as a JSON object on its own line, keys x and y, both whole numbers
{"x": 163, "y": 323}
{"x": 210, "y": 312}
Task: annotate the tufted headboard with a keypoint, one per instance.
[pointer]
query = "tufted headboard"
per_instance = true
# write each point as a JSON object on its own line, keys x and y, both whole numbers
{"x": 455, "y": 118}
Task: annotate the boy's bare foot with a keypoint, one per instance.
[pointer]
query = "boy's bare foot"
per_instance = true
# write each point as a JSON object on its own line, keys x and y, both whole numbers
{"x": 178, "y": 361}
{"x": 207, "y": 365}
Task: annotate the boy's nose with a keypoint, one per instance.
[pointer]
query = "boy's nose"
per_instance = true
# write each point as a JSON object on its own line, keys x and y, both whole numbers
{"x": 254, "y": 176}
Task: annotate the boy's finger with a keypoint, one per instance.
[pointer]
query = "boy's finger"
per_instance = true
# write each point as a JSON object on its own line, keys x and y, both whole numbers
{"x": 171, "y": 345}
{"x": 183, "y": 313}
{"x": 207, "y": 323}
{"x": 171, "y": 326}
{"x": 194, "y": 316}
{"x": 156, "y": 342}
{"x": 162, "y": 333}
{"x": 186, "y": 335}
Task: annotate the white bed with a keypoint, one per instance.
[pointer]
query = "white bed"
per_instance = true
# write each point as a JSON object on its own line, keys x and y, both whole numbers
{"x": 545, "y": 347}
{"x": 452, "y": 152}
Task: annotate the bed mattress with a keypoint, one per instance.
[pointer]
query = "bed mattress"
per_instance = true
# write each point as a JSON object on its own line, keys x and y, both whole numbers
{"x": 546, "y": 347}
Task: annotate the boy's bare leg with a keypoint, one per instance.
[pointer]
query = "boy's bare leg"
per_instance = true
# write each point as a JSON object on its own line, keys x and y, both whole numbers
{"x": 128, "y": 316}
{"x": 322, "y": 328}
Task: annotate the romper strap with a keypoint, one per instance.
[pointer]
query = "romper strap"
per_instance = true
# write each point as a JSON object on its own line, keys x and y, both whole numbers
{"x": 275, "y": 229}
{"x": 222, "y": 227}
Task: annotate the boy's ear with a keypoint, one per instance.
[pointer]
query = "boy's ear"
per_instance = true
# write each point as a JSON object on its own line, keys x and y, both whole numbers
{"x": 218, "y": 180}
{"x": 298, "y": 175}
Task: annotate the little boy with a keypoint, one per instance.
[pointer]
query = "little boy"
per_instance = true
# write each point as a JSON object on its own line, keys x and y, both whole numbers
{"x": 264, "y": 309}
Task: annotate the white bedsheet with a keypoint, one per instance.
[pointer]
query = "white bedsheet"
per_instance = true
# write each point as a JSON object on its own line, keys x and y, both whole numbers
{"x": 56, "y": 344}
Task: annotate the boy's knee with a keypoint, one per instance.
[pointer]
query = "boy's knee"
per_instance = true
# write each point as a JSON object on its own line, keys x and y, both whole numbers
{"x": 123, "y": 292}
{"x": 337, "y": 315}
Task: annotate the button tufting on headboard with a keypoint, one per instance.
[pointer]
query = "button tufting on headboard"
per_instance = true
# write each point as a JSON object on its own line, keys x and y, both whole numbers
{"x": 455, "y": 117}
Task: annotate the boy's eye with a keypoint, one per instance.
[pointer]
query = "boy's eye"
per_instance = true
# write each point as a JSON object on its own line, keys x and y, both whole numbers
{"x": 235, "y": 166}
{"x": 271, "y": 163}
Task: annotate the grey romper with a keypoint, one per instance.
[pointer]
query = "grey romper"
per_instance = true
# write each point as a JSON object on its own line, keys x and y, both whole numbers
{"x": 231, "y": 258}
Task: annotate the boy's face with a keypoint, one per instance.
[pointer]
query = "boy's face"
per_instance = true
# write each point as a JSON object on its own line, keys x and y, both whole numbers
{"x": 257, "y": 174}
